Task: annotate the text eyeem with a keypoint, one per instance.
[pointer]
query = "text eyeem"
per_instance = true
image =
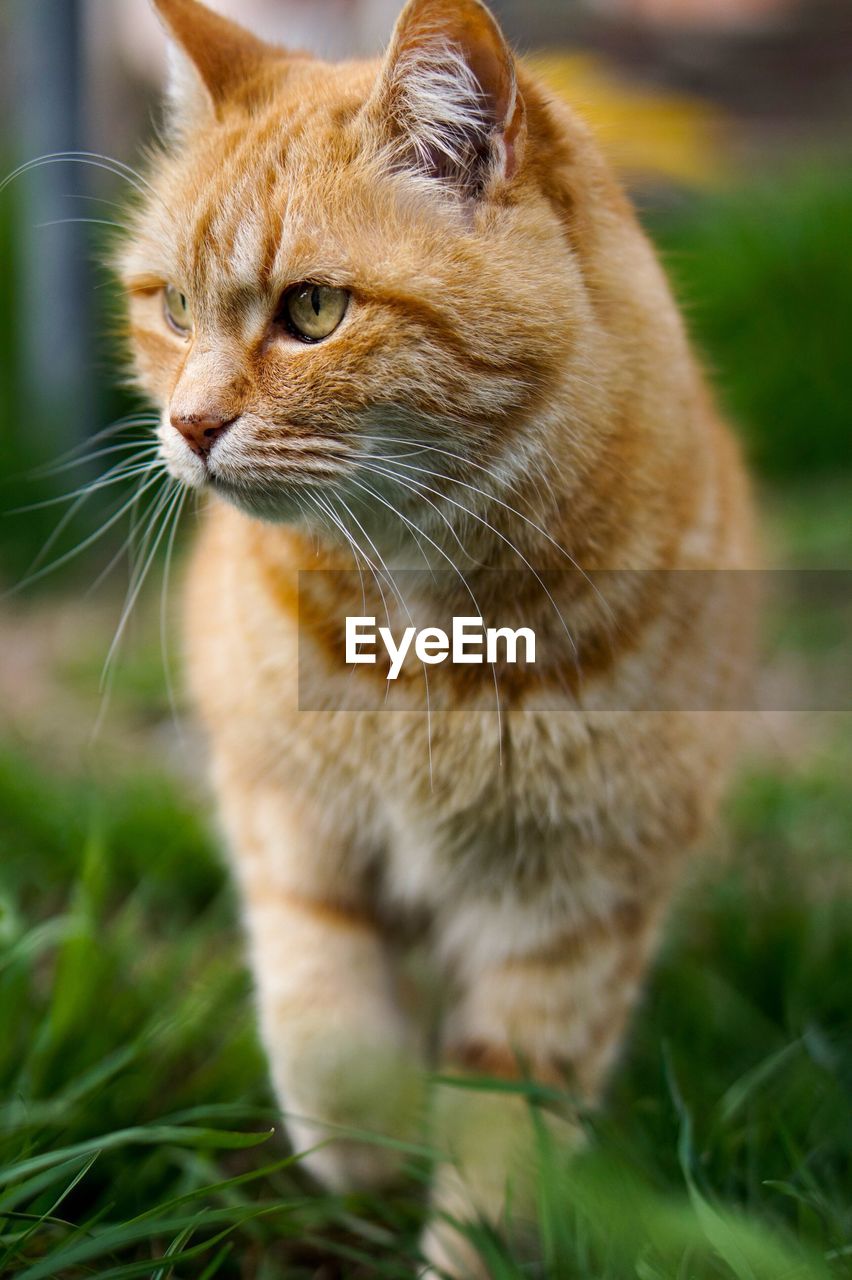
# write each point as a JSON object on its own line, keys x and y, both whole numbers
{"x": 471, "y": 642}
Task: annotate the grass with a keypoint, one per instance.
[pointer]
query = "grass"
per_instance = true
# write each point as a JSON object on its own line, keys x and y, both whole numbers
{"x": 135, "y": 1129}
{"x": 766, "y": 286}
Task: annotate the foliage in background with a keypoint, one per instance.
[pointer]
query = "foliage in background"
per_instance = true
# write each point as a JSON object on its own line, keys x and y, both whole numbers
{"x": 9, "y": 435}
{"x": 767, "y": 287}
{"x": 30, "y": 445}
{"x": 647, "y": 132}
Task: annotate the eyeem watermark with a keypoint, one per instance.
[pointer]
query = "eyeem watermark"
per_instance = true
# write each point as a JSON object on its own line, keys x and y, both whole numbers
{"x": 470, "y": 643}
{"x": 570, "y": 641}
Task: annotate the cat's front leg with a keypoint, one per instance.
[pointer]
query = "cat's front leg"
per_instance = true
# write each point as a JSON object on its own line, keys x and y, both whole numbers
{"x": 554, "y": 1013}
{"x": 338, "y": 1046}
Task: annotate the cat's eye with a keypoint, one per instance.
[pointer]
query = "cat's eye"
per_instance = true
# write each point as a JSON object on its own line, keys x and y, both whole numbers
{"x": 313, "y": 311}
{"x": 177, "y": 309}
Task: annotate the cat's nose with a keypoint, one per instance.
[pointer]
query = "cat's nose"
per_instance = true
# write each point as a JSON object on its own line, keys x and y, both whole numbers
{"x": 201, "y": 431}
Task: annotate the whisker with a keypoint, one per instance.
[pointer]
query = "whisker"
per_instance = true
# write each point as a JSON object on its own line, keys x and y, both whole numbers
{"x": 170, "y": 498}
{"x": 488, "y": 497}
{"x": 87, "y": 195}
{"x": 126, "y": 545}
{"x": 92, "y": 222}
{"x": 357, "y": 560}
{"x": 504, "y": 481}
{"x": 507, "y": 541}
{"x": 513, "y": 548}
{"x": 114, "y": 428}
{"x": 357, "y": 551}
{"x": 32, "y": 578}
{"x": 154, "y": 509}
{"x": 394, "y": 586}
{"x": 428, "y": 447}
{"x": 63, "y": 523}
{"x": 426, "y": 688}
{"x": 450, "y": 528}
{"x": 150, "y": 518}
{"x": 99, "y": 453}
{"x": 476, "y": 606}
{"x": 122, "y": 471}
{"x": 387, "y": 572}
{"x": 377, "y": 496}
{"x": 92, "y": 158}
{"x": 414, "y": 529}
{"x": 403, "y": 604}
{"x": 164, "y": 592}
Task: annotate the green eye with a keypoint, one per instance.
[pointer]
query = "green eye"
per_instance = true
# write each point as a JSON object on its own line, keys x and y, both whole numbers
{"x": 313, "y": 311}
{"x": 177, "y": 309}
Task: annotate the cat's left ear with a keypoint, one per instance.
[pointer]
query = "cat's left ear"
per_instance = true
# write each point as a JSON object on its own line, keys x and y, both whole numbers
{"x": 211, "y": 60}
{"x": 448, "y": 95}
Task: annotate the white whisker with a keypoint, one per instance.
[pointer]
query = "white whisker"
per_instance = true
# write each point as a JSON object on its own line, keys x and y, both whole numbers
{"x": 508, "y": 507}
{"x": 407, "y": 612}
{"x": 503, "y": 480}
{"x": 92, "y": 158}
{"x": 74, "y": 454}
{"x": 170, "y": 498}
{"x": 89, "y": 458}
{"x": 404, "y": 606}
{"x": 122, "y": 471}
{"x": 508, "y": 542}
{"x": 377, "y": 496}
{"x": 67, "y": 519}
{"x": 32, "y": 578}
{"x": 164, "y": 593}
{"x": 357, "y": 559}
{"x": 450, "y": 528}
{"x": 92, "y": 222}
{"x": 476, "y": 606}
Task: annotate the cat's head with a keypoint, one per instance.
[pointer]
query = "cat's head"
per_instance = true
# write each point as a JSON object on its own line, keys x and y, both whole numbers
{"x": 335, "y": 263}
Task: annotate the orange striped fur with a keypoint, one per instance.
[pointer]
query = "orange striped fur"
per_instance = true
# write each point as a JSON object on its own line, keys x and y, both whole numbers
{"x": 510, "y": 388}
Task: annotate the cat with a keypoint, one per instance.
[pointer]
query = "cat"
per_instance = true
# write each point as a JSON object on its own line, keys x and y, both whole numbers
{"x": 399, "y": 316}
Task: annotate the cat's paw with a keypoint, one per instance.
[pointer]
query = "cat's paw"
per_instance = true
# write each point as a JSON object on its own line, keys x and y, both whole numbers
{"x": 345, "y": 1165}
{"x": 450, "y": 1254}
{"x": 493, "y": 1143}
{"x": 347, "y": 1105}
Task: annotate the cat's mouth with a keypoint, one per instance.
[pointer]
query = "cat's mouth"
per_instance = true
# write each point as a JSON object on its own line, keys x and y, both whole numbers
{"x": 280, "y": 503}
{"x": 271, "y": 474}
{"x": 278, "y": 494}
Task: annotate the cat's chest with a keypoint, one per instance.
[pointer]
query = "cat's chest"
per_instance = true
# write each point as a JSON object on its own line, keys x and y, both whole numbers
{"x": 481, "y": 799}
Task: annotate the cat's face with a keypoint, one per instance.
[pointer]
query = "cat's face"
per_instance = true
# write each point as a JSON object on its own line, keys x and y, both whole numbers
{"x": 332, "y": 260}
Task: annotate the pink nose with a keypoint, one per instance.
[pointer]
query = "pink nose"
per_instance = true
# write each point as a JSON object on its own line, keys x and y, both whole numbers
{"x": 201, "y": 431}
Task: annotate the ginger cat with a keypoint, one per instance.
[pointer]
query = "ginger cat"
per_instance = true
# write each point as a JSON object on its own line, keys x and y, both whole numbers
{"x": 398, "y": 314}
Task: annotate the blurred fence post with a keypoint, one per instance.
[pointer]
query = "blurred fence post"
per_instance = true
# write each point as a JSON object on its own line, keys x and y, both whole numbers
{"x": 54, "y": 270}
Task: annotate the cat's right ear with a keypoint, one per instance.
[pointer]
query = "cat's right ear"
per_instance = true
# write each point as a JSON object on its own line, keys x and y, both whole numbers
{"x": 448, "y": 98}
{"x": 211, "y": 61}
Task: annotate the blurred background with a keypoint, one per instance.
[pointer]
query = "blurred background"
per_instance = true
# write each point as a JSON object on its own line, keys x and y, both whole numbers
{"x": 122, "y": 992}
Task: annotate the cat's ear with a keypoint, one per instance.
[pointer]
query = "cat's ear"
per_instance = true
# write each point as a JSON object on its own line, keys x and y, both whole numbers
{"x": 448, "y": 93}
{"x": 211, "y": 60}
